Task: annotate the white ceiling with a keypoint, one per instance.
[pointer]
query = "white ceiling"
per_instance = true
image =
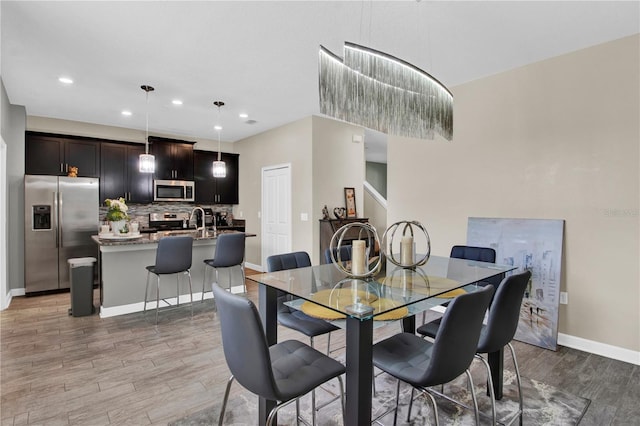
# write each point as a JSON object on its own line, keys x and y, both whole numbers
{"x": 261, "y": 57}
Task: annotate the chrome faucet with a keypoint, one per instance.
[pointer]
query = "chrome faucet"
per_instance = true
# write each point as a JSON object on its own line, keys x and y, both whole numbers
{"x": 198, "y": 228}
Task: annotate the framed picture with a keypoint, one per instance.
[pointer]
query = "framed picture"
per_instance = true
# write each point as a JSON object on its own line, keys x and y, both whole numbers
{"x": 350, "y": 202}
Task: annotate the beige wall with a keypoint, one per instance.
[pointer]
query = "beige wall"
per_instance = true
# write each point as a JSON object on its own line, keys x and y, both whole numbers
{"x": 338, "y": 162}
{"x": 289, "y": 144}
{"x": 376, "y": 212}
{"x": 557, "y": 139}
{"x": 318, "y": 176}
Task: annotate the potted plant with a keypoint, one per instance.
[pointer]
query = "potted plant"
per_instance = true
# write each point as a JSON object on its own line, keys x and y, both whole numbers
{"x": 117, "y": 215}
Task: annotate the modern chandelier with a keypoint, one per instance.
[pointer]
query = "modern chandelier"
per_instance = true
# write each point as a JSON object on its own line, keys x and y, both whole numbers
{"x": 219, "y": 168}
{"x": 147, "y": 162}
{"x": 381, "y": 92}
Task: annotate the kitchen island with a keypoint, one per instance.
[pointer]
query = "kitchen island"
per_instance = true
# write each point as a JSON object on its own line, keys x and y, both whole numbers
{"x": 123, "y": 271}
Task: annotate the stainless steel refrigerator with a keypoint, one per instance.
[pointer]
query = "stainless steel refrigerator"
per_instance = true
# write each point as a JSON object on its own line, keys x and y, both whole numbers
{"x": 61, "y": 214}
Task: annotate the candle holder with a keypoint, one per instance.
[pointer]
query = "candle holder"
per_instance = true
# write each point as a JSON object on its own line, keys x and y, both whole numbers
{"x": 407, "y": 252}
{"x": 355, "y": 268}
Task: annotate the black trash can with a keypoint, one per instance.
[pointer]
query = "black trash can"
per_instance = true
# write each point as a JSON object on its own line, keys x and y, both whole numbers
{"x": 81, "y": 277}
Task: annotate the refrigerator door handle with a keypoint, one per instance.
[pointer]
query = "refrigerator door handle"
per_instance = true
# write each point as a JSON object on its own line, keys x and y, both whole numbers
{"x": 59, "y": 210}
{"x": 54, "y": 219}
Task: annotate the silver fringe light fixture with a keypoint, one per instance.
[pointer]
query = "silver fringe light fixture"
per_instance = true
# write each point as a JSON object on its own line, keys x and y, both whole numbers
{"x": 381, "y": 92}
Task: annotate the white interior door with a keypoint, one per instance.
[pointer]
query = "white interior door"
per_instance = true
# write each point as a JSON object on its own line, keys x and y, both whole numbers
{"x": 276, "y": 211}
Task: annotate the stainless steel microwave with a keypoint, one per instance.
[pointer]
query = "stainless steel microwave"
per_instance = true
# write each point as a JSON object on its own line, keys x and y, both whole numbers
{"x": 173, "y": 190}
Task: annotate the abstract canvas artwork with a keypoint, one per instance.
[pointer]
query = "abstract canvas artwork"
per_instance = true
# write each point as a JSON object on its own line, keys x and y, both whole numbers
{"x": 535, "y": 245}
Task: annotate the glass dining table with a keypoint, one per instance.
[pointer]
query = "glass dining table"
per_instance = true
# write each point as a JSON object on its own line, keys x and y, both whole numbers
{"x": 393, "y": 293}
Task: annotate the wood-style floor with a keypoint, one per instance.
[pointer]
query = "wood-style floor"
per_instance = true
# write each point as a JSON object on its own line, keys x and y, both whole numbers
{"x": 57, "y": 369}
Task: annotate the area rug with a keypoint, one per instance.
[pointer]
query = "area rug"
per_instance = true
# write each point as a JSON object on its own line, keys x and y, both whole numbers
{"x": 543, "y": 405}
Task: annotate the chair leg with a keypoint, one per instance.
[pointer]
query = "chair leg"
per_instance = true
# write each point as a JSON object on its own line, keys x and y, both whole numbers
{"x": 313, "y": 407}
{"x": 244, "y": 278}
{"x": 515, "y": 365}
{"x": 473, "y": 397}
{"x": 344, "y": 417}
{"x": 224, "y": 401}
{"x": 298, "y": 411}
{"x": 373, "y": 381}
{"x": 413, "y": 390}
{"x": 178, "y": 289}
{"x": 490, "y": 386}
{"x": 146, "y": 293}
{"x": 328, "y": 341}
{"x": 157, "y": 297}
{"x": 435, "y": 406}
{"x": 190, "y": 291}
{"x": 204, "y": 281}
{"x": 395, "y": 412}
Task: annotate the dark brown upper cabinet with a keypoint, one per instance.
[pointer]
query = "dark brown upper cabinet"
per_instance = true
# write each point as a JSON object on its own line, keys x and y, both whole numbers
{"x": 48, "y": 154}
{"x": 120, "y": 175}
{"x": 174, "y": 158}
{"x": 210, "y": 190}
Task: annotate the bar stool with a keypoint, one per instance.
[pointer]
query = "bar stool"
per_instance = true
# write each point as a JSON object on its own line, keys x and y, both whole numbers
{"x": 173, "y": 256}
{"x": 229, "y": 253}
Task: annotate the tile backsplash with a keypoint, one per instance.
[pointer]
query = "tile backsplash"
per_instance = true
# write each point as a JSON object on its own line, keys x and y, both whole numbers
{"x": 140, "y": 212}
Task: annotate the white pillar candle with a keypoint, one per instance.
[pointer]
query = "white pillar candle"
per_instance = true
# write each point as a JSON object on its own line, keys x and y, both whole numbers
{"x": 406, "y": 251}
{"x": 358, "y": 260}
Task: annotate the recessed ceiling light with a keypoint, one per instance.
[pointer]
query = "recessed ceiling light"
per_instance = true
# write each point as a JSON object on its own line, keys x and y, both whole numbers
{"x": 244, "y": 115}
{"x": 65, "y": 80}
{"x": 176, "y": 102}
{"x": 127, "y": 113}
{"x": 217, "y": 127}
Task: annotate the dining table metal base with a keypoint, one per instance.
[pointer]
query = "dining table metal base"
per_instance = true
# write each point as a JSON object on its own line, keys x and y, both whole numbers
{"x": 359, "y": 364}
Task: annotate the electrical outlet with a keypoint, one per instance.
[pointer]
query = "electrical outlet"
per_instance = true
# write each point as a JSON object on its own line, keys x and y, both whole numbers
{"x": 304, "y": 217}
{"x": 564, "y": 298}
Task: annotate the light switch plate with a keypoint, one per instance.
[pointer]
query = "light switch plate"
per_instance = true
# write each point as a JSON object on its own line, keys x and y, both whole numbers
{"x": 304, "y": 217}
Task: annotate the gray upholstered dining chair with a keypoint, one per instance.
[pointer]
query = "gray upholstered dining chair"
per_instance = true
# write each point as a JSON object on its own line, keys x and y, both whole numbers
{"x": 423, "y": 364}
{"x": 229, "y": 254}
{"x": 293, "y": 318}
{"x": 283, "y": 372}
{"x": 481, "y": 254}
{"x": 173, "y": 256}
{"x": 501, "y": 326}
{"x": 345, "y": 254}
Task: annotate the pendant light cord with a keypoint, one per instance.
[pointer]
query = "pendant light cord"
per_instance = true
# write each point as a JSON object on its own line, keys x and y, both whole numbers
{"x": 146, "y": 139}
{"x": 219, "y": 131}
{"x": 147, "y": 89}
{"x": 219, "y": 127}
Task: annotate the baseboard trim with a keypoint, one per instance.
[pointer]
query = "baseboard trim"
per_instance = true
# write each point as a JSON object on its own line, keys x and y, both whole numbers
{"x": 253, "y": 266}
{"x": 597, "y": 348}
{"x": 139, "y": 307}
{"x": 14, "y": 292}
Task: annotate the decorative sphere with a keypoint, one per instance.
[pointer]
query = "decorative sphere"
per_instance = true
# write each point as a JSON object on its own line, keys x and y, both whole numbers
{"x": 365, "y": 231}
{"x": 406, "y": 236}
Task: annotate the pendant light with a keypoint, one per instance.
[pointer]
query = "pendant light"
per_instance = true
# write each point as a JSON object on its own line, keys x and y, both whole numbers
{"x": 219, "y": 168}
{"x": 147, "y": 163}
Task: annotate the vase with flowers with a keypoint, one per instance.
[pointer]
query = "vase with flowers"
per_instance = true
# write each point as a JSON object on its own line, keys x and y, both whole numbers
{"x": 117, "y": 215}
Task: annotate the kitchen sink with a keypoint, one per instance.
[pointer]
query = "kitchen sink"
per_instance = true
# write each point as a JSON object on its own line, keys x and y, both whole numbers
{"x": 182, "y": 232}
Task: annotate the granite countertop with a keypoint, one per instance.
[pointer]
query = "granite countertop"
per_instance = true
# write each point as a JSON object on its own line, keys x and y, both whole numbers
{"x": 153, "y": 238}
